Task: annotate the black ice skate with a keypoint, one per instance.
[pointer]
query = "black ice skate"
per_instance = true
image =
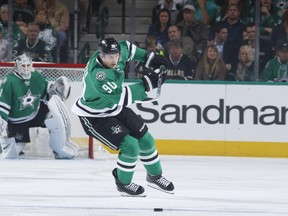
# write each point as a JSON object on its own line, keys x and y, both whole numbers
{"x": 160, "y": 183}
{"x": 128, "y": 190}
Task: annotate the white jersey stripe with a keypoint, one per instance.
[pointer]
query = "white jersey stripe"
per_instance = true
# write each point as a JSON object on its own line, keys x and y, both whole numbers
{"x": 98, "y": 136}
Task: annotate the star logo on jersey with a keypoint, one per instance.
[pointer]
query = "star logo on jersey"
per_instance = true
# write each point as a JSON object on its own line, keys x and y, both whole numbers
{"x": 116, "y": 129}
{"x": 100, "y": 76}
{"x": 19, "y": 136}
{"x": 28, "y": 100}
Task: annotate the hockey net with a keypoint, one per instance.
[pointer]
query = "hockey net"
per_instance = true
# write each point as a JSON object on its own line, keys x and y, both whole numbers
{"x": 39, "y": 146}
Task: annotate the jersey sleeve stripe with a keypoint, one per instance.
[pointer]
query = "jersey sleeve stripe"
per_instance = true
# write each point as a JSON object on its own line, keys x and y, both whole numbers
{"x": 94, "y": 112}
{"x": 132, "y": 50}
{"x": 128, "y": 96}
{"x": 5, "y": 108}
{"x": 97, "y": 135}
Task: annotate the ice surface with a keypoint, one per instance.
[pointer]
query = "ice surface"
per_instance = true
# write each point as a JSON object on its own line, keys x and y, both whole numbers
{"x": 204, "y": 186}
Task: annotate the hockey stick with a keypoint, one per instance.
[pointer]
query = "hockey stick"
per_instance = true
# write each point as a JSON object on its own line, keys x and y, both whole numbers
{"x": 158, "y": 91}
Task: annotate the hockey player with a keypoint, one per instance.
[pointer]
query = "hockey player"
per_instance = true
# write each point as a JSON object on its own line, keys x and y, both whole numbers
{"x": 24, "y": 104}
{"x": 104, "y": 113}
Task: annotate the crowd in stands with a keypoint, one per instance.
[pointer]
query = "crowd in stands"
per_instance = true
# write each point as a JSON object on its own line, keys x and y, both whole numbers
{"x": 216, "y": 40}
{"x": 202, "y": 39}
{"x": 39, "y": 29}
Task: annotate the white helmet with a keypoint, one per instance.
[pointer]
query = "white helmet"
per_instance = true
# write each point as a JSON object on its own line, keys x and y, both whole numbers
{"x": 24, "y": 66}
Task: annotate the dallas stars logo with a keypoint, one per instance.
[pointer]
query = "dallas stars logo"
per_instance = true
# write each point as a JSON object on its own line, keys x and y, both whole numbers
{"x": 100, "y": 75}
{"x": 116, "y": 129}
{"x": 28, "y": 100}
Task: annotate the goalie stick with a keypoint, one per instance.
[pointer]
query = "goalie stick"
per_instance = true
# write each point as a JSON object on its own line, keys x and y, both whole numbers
{"x": 158, "y": 91}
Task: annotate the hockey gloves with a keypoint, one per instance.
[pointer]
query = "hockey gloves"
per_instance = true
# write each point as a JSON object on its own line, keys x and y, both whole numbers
{"x": 61, "y": 87}
{"x": 153, "y": 60}
{"x": 151, "y": 80}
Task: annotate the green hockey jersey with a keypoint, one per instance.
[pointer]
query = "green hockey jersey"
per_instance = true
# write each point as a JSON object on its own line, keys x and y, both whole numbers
{"x": 19, "y": 99}
{"x": 274, "y": 69}
{"x": 104, "y": 93}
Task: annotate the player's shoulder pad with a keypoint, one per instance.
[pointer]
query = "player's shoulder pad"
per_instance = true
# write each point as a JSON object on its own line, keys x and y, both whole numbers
{"x": 9, "y": 78}
{"x": 124, "y": 45}
{"x": 36, "y": 73}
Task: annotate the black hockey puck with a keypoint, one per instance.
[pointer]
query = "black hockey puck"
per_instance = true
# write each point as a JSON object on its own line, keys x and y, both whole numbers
{"x": 158, "y": 209}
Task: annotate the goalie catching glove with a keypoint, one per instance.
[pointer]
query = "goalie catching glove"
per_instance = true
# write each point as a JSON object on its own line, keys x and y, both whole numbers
{"x": 151, "y": 80}
{"x": 153, "y": 60}
{"x": 61, "y": 87}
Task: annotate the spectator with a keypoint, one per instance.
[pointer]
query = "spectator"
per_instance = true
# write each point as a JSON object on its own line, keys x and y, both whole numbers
{"x": 160, "y": 28}
{"x": 29, "y": 2}
{"x": 47, "y": 32}
{"x": 246, "y": 10}
{"x": 18, "y": 32}
{"x": 197, "y": 30}
{"x": 279, "y": 33}
{"x": 174, "y": 32}
{"x": 58, "y": 16}
{"x": 280, "y": 6}
{"x": 211, "y": 66}
{"x": 234, "y": 24}
{"x": 181, "y": 2}
{"x": 205, "y": 10}
{"x": 269, "y": 18}
{"x": 170, "y": 5}
{"x": 265, "y": 50}
{"x": 151, "y": 46}
{"x": 32, "y": 46}
{"x": 277, "y": 68}
{"x": 225, "y": 47}
{"x": 84, "y": 5}
{"x": 245, "y": 35}
{"x": 23, "y": 13}
{"x": 222, "y": 14}
{"x": 245, "y": 67}
{"x": 4, "y": 47}
{"x": 180, "y": 66}
{"x": 247, "y": 14}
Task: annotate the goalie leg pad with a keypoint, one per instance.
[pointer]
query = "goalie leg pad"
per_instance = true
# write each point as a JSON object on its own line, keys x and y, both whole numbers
{"x": 8, "y": 148}
{"x": 59, "y": 127}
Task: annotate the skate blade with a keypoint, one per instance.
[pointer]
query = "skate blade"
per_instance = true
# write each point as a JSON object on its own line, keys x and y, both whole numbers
{"x": 129, "y": 195}
{"x": 158, "y": 188}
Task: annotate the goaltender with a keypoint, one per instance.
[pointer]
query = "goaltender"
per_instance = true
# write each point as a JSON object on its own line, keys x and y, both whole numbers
{"x": 26, "y": 101}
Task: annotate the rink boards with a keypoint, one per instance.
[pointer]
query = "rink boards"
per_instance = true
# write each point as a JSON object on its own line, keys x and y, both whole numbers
{"x": 219, "y": 118}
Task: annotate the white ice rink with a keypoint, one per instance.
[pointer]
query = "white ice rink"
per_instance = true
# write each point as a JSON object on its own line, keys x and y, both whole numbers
{"x": 210, "y": 186}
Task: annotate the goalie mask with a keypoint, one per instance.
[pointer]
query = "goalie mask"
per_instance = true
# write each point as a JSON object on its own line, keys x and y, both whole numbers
{"x": 24, "y": 66}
